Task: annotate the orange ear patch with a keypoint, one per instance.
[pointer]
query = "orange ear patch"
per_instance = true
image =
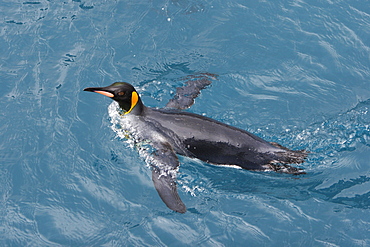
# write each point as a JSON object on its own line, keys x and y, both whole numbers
{"x": 134, "y": 100}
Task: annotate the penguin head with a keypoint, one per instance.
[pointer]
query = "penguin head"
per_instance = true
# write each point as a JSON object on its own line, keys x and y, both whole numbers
{"x": 122, "y": 92}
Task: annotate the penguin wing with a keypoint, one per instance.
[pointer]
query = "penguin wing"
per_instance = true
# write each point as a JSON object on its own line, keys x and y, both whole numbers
{"x": 164, "y": 170}
{"x": 186, "y": 94}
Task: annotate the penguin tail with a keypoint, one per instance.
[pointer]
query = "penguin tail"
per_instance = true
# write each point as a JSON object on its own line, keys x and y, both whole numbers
{"x": 287, "y": 156}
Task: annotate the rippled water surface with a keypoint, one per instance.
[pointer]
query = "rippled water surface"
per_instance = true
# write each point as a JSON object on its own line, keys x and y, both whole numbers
{"x": 293, "y": 72}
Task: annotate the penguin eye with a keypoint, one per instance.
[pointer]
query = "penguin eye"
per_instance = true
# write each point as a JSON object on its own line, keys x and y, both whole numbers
{"x": 121, "y": 93}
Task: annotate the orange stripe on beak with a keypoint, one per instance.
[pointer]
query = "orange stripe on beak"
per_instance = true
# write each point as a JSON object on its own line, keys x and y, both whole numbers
{"x": 110, "y": 95}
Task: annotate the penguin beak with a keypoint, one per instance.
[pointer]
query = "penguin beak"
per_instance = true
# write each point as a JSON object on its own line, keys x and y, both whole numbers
{"x": 100, "y": 90}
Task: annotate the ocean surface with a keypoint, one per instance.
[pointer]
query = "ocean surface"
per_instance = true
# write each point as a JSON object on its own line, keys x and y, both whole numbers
{"x": 295, "y": 72}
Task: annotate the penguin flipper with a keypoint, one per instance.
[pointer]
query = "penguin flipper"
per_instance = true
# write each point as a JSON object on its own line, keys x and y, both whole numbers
{"x": 164, "y": 176}
{"x": 166, "y": 188}
{"x": 186, "y": 94}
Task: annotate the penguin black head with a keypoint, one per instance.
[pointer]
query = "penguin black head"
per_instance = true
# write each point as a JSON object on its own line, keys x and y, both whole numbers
{"x": 122, "y": 92}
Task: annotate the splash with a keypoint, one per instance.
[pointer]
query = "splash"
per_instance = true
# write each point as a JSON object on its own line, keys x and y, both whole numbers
{"x": 126, "y": 131}
{"x": 130, "y": 131}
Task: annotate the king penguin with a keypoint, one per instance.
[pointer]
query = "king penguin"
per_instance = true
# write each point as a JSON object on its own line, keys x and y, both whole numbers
{"x": 171, "y": 132}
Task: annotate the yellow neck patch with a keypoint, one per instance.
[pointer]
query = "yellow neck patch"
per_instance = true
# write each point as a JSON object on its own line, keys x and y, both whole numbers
{"x": 134, "y": 100}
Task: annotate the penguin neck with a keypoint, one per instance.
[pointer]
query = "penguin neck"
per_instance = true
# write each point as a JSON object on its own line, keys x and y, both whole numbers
{"x": 137, "y": 110}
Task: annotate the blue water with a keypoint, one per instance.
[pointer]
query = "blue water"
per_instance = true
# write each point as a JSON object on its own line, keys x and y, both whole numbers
{"x": 291, "y": 71}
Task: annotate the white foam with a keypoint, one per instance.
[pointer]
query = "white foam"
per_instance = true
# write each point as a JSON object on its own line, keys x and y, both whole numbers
{"x": 129, "y": 129}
